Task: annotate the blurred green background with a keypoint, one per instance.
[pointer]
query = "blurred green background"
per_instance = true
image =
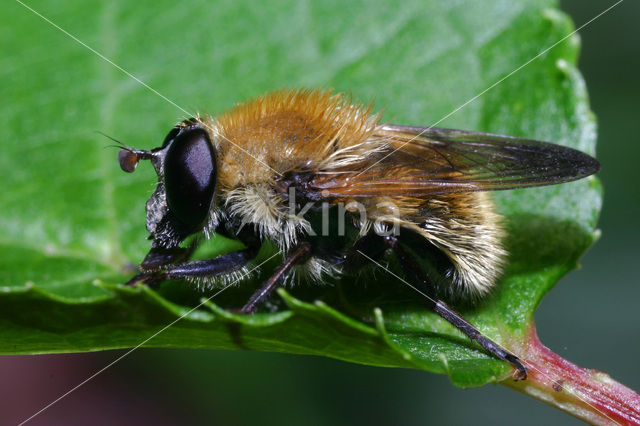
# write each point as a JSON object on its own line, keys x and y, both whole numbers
{"x": 587, "y": 314}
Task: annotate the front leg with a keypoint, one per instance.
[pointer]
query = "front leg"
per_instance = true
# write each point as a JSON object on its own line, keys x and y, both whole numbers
{"x": 158, "y": 257}
{"x": 201, "y": 269}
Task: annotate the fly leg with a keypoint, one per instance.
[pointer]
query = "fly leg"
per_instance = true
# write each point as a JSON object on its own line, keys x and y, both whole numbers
{"x": 202, "y": 269}
{"x": 367, "y": 247}
{"x": 157, "y": 258}
{"x": 210, "y": 268}
{"x": 298, "y": 254}
{"x": 439, "y": 307}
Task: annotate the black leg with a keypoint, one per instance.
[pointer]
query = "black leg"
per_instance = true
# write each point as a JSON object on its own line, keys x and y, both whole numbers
{"x": 160, "y": 256}
{"x": 296, "y": 255}
{"x": 371, "y": 245}
{"x": 442, "y": 309}
{"x": 199, "y": 269}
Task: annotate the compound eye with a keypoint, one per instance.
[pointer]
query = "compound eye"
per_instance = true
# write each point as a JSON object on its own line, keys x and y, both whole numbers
{"x": 190, "y": 177}
{"x": 170, "y": 136}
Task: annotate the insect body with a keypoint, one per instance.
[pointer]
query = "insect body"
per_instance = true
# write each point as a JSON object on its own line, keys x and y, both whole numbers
{"x": 335, "y": 189}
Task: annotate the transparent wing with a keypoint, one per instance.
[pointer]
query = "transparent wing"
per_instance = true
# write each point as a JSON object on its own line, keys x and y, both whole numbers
{"x": 422, "y": 161}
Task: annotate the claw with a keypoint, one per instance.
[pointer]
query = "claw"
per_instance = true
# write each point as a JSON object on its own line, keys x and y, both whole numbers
{"x": 152, "y": 279}
{"x": 520, "y": 372}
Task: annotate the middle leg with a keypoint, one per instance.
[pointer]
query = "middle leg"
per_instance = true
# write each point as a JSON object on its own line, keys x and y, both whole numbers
{"x": 297, "y": 255}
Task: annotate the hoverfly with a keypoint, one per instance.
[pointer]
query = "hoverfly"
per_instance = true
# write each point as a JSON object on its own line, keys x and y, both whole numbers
{"x": 402, "y": 189}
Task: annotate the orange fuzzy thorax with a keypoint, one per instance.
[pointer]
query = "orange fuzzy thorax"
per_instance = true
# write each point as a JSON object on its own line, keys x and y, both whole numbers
{"x": 288, "y": 130}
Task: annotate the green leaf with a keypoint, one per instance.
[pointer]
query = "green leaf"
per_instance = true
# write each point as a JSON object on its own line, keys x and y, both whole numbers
{"x": 72, "y": 224}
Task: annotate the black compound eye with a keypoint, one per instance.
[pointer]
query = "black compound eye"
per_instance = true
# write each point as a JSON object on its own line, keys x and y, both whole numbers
{"x": 190, "y": 177}
{"x": 170, "y": 136}
{"x": 177, "y": 128}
